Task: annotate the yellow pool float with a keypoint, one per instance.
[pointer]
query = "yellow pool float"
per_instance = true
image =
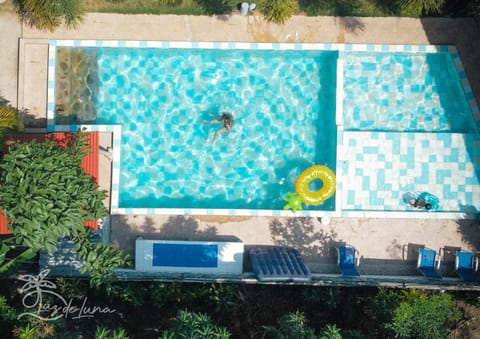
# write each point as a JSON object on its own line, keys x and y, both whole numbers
{"x": 322, "y": 173}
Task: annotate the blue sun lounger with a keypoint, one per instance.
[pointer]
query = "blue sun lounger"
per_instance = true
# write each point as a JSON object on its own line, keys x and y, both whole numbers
{"x": 426, "y": 263}
{"x": 347, "y": 260}
{"x": 466, "y": 266}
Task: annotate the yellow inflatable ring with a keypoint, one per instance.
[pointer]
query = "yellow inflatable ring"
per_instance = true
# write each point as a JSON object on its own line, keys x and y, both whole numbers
{"x": 322, "y": 173}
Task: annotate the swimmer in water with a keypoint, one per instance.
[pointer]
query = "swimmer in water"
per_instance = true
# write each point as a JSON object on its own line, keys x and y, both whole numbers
{"x": 227, "y": 120}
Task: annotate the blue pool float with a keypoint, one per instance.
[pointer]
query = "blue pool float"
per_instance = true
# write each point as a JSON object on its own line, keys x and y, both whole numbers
{"x": 429, "y": 199}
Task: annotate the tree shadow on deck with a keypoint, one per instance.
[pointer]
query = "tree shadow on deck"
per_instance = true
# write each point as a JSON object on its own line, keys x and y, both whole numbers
{"x": 470, "y": 231}
{"x": 301, "y": 234}
{"x": 125, "y": 229}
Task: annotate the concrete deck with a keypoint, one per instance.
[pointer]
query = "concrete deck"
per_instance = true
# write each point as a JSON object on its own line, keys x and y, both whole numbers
{"x": 381, "y": 242}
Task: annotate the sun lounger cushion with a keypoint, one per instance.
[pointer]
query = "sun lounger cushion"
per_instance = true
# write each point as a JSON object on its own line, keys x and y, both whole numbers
{"x": 277, "y": 263}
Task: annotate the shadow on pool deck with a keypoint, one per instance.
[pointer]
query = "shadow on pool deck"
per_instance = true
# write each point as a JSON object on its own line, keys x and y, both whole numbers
{"x": 386, "y": 248}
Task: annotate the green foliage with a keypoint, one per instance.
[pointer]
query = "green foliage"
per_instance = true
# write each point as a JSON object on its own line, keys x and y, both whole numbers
{"x": 425, "y": 317}
{"x": 106, "y": 333}
{"x": 163, "y": 294}
{"x": 7, "y": 313}
{"x": 36, "y": 329}
{"x": 47, "y": 194}
{"x": 9, "y": 120}
{"x": 417, "y": 8}
{"x": 279, "y": 11}
{"x": 357, "y": 334}
{"x": 214, "y": 7}
{"x": 383, "y": 310}
{"x": 169, "y": 2}
{"x": 195, "y": 325}
{"x": 71, "y": 288}
{"x": 328, "y": 297}
{"x": 413, "y": 294}
{"x": 3, "y": 251}
{"x": 26, "y": 332}
{"x": 292, "y": 325}
{"x": 331, "y": 331}
{"x": 100, "y": 260}
{"x": 50, "y": 14}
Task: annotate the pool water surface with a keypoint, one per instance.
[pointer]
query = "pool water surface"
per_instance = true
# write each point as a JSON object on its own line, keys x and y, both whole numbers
{"x": 283, "y": 105}
{"x": 387, "y": 119}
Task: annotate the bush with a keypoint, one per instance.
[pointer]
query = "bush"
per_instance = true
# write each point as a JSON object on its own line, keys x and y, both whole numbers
{"x": 279, "y": 11}
{"x": 195, "y": 325}
{"x": 49, "y": 14}
{"x": 426, "y": 318}
{"x": 292, "y": 325}
{"x": 417, "y": 8}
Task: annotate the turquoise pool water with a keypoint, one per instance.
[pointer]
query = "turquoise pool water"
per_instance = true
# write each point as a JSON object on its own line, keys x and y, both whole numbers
{"x": 283, "y": 105}
{"x": 404, "y": 92}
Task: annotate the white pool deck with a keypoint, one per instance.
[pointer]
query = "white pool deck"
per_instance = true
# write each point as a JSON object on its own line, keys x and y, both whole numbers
{"x": 380, "y": 241}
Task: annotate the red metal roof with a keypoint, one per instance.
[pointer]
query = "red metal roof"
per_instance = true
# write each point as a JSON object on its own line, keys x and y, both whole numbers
{"x": 89, "y": 163}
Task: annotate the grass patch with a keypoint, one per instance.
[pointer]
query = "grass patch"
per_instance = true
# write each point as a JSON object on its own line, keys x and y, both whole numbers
{"x": 362, "y": 8}
{"x": 185, "y": 7}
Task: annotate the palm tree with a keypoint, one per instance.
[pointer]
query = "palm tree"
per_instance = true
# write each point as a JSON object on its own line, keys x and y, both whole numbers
{"x": 416, "y": 8}
{"x": 49, "y": 14}
{"x": 9, "y": 120}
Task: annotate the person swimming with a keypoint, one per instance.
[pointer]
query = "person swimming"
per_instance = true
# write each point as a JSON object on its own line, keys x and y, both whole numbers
{"x": 227, "y": 120}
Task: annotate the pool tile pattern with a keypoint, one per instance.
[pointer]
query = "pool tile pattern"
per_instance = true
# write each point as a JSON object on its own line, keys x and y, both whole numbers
{"x": 377, "y": 168}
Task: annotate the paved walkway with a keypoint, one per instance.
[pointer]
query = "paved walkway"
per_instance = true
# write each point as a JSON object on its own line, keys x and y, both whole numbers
{"x": 380, "y": 241}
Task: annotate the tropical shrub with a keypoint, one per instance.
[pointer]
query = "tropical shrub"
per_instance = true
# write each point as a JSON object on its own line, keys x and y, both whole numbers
{"x": 46, "y": 193}
{"x": 331, "y": 331}
{"x": 384, "y": 305}
{"x": 291, "y": 325}
{"x": 426, "y": 318}
{"x": 417, "y": 8}
{"x": 106, "y": 333}
{"x": 195, "y": 325}
{"x": 50, "y": 14}
{"x": 7, "y": 313}
{"x": 9, "y": 120}
{"x": 47, "y": 196}
{"x": 279, "y": 11}
{"x": 100, "y": 260}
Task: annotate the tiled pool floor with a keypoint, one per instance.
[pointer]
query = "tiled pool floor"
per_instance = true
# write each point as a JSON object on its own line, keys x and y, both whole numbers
{"x": 377, "y": 168}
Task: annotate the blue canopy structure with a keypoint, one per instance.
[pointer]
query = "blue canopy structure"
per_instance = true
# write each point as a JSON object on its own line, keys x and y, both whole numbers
{"x": 347, "y": 261}
{"x": 466, "y": 265}
{"x": 426, "y": 263}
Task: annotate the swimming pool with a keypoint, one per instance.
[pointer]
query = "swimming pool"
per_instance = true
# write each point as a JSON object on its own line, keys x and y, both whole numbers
{"x": 294, "y": 105}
